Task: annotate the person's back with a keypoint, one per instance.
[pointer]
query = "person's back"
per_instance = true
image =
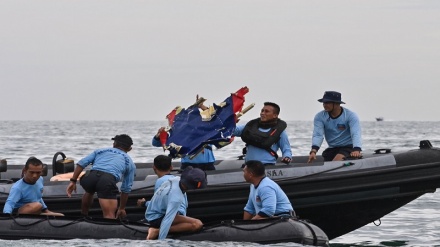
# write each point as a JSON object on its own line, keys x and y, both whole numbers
{"x": 110, "y": 165}
{"x": 273, "y": 206}
{"x": 162, "y": 210}
{"x": 266, "y": 198}
{"x": 167, "y": 196}
{"x": 162, "y": 166}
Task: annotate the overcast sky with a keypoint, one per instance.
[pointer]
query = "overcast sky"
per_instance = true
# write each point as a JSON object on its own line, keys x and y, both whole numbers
{"x": 136, "y": 60}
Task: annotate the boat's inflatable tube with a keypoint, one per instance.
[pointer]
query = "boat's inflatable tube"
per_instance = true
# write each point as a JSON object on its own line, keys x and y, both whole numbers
{"x": 260, "y": 231}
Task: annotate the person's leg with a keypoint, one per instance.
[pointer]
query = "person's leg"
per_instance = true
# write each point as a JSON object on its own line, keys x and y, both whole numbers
{"x": 88, "y": 183}
{"x": 185, "y": 224}
{"x": 154, "y": 229}
{"x": 109, "y": 207}
{"x": 339, "y": 157}
{"x": 329, "y": 154}
{"x": 86, "y": 203}
{"x": 153, "y": 233}
{"x": 30, "y": 208}
{"x": 343, "y": 153}
{"x": 107, "y": 191}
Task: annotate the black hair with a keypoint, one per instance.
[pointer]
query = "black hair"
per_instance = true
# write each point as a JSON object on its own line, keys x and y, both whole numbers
{"x": 275, "y": 106}
{"x": 162, "y": 162}
{"x": 123, "y": 141}
{"x": 34, "y": 161}
{"x": 256, "y": 167}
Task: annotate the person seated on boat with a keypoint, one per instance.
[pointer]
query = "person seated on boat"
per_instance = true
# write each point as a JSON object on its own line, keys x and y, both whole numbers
{"x": 26, "y": 195}
{"x": 265, "y": 135}
{"x": 110, "y": 165}
{"x": 203, "y": 160}
{"x": 162, "y": 210}
{"x": 162, "y": 166}
{"x": 266, "y": 198}
{"x": 340, "y": 127}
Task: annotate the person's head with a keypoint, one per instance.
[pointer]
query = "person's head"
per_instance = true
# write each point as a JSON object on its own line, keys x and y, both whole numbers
{"x": 162, "y": 163}
{"x": 32, "y": 170}
{"x": 253, "y": 171}
{"x": 269, "y": 112}
{"x": 331, "y": 100}
{"x": 193, "y": 178}
{"x": 123, "y": 142}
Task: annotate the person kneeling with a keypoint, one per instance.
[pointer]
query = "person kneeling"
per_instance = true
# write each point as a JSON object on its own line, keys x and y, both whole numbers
{"x": 162, "y": 211}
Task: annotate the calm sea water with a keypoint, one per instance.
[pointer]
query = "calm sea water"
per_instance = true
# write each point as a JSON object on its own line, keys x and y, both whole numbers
{"x": 416, "y": 224}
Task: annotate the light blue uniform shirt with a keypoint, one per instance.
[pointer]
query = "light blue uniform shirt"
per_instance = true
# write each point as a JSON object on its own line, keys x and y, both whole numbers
{"x": 256, "y": 153}
{"x": 268, "y": 198}
{"x": 206, "y": 156}
{"x": 115, "y": 162}
{"x": 338, "y": 132}
{"x": 159, "y": 182}
{"x": 23, "y": 193}
{"x": 165, "y": 202}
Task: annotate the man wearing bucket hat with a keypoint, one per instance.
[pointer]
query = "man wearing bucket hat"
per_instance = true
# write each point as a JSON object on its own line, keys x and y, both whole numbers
{"x": 162, "y": 210}
{"x": 339, "y": 126}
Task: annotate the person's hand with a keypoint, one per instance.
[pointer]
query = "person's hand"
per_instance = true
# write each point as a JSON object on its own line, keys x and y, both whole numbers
{"x": 286, "y": 160}
{"x": 312, "y": 157}
{"x": 356, "y": 154}
{"x": 141, "y": 202}
{"x": 121, "y": 214}
{"x": 70, "y": 188}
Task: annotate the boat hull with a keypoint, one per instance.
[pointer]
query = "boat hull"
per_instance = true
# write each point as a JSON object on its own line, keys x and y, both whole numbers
{"x": 339, "y": 197}
{"x": 262, "y": 231}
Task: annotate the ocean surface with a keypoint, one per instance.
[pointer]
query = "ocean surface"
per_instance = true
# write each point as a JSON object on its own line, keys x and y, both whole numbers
{"x": 415, "y": 224}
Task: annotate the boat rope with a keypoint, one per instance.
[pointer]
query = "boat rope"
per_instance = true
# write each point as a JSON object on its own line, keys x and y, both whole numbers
{"x": 29, "y": 224}
{"x": 51, "y": 219}
{"x": 315, "y": 238}
{"x": 232, "y": 223}
{"x": 126, "y": 225}
{"x": 61, "y": 226}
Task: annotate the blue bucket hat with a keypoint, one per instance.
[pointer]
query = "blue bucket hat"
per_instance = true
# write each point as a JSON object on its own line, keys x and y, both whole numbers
{"x": 331, "y": 96}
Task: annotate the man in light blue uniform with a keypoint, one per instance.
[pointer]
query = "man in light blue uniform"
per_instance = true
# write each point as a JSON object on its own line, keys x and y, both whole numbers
{"x": 110, "y": 165}
{"x": 339, "y": 126}
{"x": 203, "y": 160}
{"x": 162, "y": 166}
{"x": 162, "y": 211}
{"x": 266, "y": 198}
{"x": 265, "y": 135}
{"x": 26, "y": 195}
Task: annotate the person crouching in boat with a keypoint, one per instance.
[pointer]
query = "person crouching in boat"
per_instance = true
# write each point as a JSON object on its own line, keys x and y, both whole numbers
{"x": 266, "y": 198}
{"x": 162, "y": 211}
{"x": 162, "y": 166}
{"x": 339, "y": 126}
{"x": 110, "y": 165}
{"x": 26, "y": 195}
